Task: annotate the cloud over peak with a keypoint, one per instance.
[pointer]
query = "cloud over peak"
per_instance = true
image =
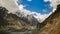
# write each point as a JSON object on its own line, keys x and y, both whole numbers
{"x": 26, "y": 12}
{"x": 53, "y": 3}
{"x": 39, "y": 16}
{"x": 13, "y": 6}
{"x": 10, "y": 5}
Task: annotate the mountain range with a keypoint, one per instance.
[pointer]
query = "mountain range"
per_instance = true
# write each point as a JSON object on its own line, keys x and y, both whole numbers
{"x": 16, "y": 22}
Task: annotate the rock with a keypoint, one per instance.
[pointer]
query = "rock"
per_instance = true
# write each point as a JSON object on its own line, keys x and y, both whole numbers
{"x": 52, "y": 23}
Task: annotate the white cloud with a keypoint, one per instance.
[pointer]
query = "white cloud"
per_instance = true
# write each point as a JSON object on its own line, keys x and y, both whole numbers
{"x": 29, "y": 0}
{"x": 21, "y": 7}
{"x": 16, "y": 2}
{"x": 38, "y": 16}
{"x": 10, "y": 5}
{"x": 41, "y": 17}
{"x": 53, "y": 3}
{"x": 47, "y": 0}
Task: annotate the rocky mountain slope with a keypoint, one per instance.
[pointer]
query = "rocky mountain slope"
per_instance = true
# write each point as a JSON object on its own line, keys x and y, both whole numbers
{"x": 51, "y": 24}
{"x": 29, "y": 19}
{"x": 19, "y": 24}
{"x": 12, "y": 23}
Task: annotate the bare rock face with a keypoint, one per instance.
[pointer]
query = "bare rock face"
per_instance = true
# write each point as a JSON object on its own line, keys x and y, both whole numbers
{"x": 52, "y": 23}
{"x": 12, "y": 24}
{"x": 3, "y": 13}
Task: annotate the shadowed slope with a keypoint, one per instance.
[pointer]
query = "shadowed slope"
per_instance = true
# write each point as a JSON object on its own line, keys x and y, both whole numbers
{"x": 52, "y": 23}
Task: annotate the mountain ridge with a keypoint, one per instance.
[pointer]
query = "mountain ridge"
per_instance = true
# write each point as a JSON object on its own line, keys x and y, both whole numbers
{"x": 52, "y": 23}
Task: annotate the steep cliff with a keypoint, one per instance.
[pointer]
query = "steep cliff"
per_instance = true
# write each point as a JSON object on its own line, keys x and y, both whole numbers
{"x": 51, "y": 24}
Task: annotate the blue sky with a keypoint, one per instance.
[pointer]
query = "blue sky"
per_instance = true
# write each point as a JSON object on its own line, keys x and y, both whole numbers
{"x": 40, "y": 9}
{"x": 39, "y": 6}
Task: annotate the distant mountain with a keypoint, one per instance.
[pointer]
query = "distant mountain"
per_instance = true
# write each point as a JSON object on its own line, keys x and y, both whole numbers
{"x": 29, "y": 19}
{"x": 16, "y": 22}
